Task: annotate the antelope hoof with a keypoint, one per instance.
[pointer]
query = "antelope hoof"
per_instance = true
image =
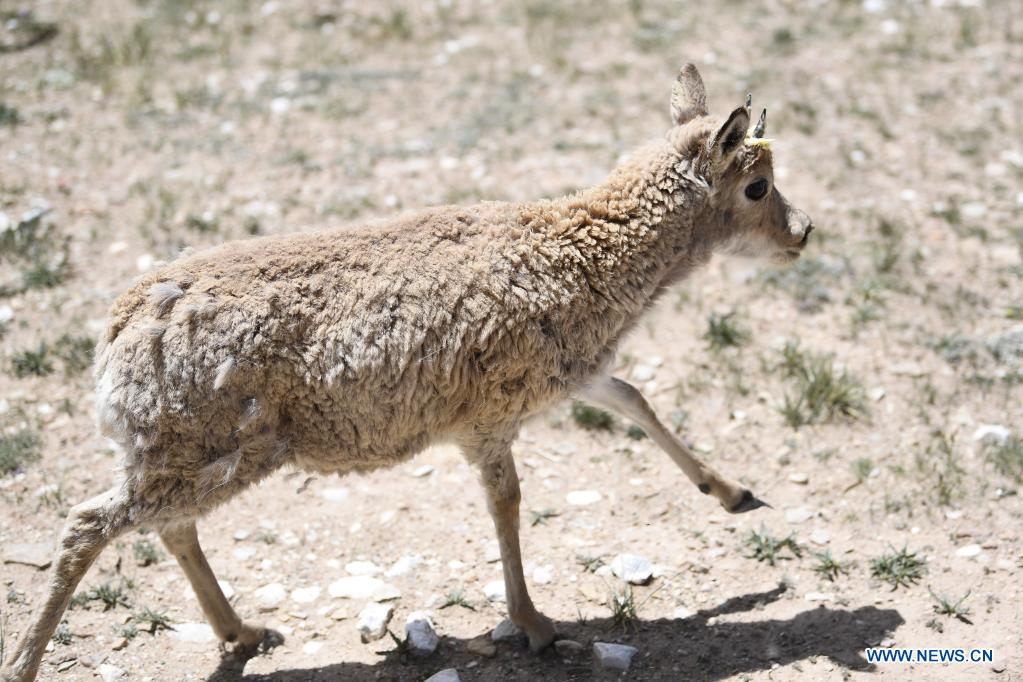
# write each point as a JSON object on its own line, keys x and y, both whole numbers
{"x": 748, "y": 502}
{"x": 541, "y": 634}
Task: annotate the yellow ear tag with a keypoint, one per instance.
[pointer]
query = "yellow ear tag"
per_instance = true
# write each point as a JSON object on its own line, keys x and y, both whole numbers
{"x": 764, "y": 142}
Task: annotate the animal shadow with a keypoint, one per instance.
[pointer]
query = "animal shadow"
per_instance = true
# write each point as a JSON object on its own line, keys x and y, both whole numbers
{"x": 704, "y": 646}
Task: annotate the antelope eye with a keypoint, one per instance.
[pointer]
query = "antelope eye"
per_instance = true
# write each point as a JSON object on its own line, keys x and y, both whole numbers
{"x": 756, "y": 190}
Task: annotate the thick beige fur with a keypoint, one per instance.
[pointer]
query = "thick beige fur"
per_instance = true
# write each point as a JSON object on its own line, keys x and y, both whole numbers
{"x": 353, "y": 349}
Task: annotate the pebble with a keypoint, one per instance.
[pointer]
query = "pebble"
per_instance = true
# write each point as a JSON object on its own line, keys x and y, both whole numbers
{"x": 64, "y": 666}
{"x": 363, "y": 587}
{"x": 403, "y": 566}
{"x": 820, "y": 537}
{"x": 119, "y": 643}
{"x": 244, "y": 553}
{"x": 992, "y": 432}
{"x": 241, "y": 534}
{"x": 481, "y": 646}
{"x": 196, "y": 633}
{"x": 363, "y": 568}
{"x": 506, "y": 631}
{"x": 582, "y": 498}
{"x": 798, "y": 515}
{"x": 446, "y": 675}
{"x": 311, "y": 648}
{"x": 614, "y": 656}
{"x": 269, "y": 597}
{"x": 419, "y": 632}
{"x": 820, "y": 596}
{"x": 542, "y": 575}
{"x": 568, "y": 648}
{"x": 335, "y": 494}
{"x": 493, "y": 552}
{"x": 494, "y": 591}
{"x": 799, "y": 477}
{"x": 643, "y": 373}
{"x": 969, "y": 551}
{"x": 110, "y": 672}
{"x": 373, "y": 621}
{"x": 632, "y": 568}
{"x": 423, "y": 471}
{"x": 306, "y": 595}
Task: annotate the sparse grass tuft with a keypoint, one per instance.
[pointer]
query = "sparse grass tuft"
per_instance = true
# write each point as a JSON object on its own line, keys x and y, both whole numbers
{"x": 540, "y": 517}
{"x": 623, "y": 608}
{"x": 153, "y": 621}
{"x": 635, "y": 433}
{"x": 899, "y": 569}
{"x": 457, "y": 598}
{"x": 1006, "y": 457}
{"x": 32, "y": 362}
{"x": 828, "y": 567}
{"x": 822, "y": 392}
{"x": 590, "y": 564}
{"x": 145, "y": 552}
{"x": 723, "y": 332}
{"x": 18, "y": 449}
{"x": 955, "y": 609}
{"x": 75, "y": 352}
{"x": 111, "y": 594}
{"x": 764, "y": 547}
{"x": 63, "y": 634}
{"x": 591, "y": 418}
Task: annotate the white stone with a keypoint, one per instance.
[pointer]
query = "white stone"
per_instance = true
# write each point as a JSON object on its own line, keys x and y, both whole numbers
{"x": 446, "y": 675}
{"x": 6, "y": 314}
{"x": 799, "y": 477}
{"x": 993, "y": 432}
{"x": 423, "y": 471}
{"x": 542, "y": 575}
{"x": 363, "y": 568}
{"x": 109, "y": 672}
{"x": 582, "y": 498}
{"x": 241, "y": 534}
{"x": 820, "y": 536}
{"x": 270, "y": 596}
{"x": 196, "y": 633}
{"x": 419, "y": 632}
{"x": 363, "y": 587}
{"x": 244, "y": 553}
{"x": 681, "y": 613}
{"x": 506, "y": 631}
{"x": 144, "y": 262}
{"x": 642, "y": 373}
{"x": 632, "y": 568}
{"x": 820, "y": 596}
{"x": 311, "y": 648}
{"x": 403, "y": 566}
{"x": 306, "y": 595}
{"x": 969, "y": 551}
{"x": 335, "y": 494}
{"x": 798, "y": 515}
{"x": 373, "y": 620}
{"x": 494, "y": 591}
{"x": 614, "y": 656}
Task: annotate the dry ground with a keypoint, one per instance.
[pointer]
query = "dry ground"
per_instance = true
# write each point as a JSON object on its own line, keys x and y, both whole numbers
{"x": 146, "y": 127}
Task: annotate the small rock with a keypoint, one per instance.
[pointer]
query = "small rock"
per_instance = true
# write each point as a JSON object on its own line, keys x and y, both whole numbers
{"x": 969, "y": 551}
{"x": 363, "y": 587}
{"x": 422, "y": 638}
{"x": 269, "y": 597}
{"x": 632, "y": 568}
{"x": 37, "y": 554}
{"x": 92, "y": 661}
{"x": 820, "y": 537}
{"x": 995, "y": 433}
{"x": 494, "y": 591}
{"x": 373, "y": 620}
{"x": 907, "y": 369}
{"x": 798, "y": 515}
{"x": 820, "y": 596}
{"x": 998, "y": 667}
{"x": 481, "y": 646}
{"x": 335, "y": 494}
{"x": 241, "y": 535}
{"x": 876, "y": 394}
{"x": 493, "y": 552}
{"x": 642, "y": 373}
{"x": 119, "y": 643}
{"x": 109, "y": 672}
{"x": 196, "y": 633}
{"x": 363, "y": 568}
{"x": 582, "y": 498}
{"x": 244, "y": 553}
{"x": 306, "y": 595}
{"x": 310, "y": 648}
{"x": 568, "y": 648}
{"x": 614, "y": 656}
{"x": 542, "y": 575}
{"x": 403, "y": 566}
{"x": 681, "y": 613}
{"x": 64, "y": 666}
{"x": 506, "y": 631}
{"x": 799, "y": 477}
{"x": 423, "y": 471}
{"x": 446, "y": 675}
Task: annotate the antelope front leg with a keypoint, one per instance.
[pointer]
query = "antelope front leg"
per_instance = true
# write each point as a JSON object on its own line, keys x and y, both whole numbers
{"x": 497, "y": 469}
{"x": 625, "y": 399}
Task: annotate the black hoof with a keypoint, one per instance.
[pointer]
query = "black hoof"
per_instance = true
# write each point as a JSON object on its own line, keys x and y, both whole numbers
{"x": 749, "y": 502}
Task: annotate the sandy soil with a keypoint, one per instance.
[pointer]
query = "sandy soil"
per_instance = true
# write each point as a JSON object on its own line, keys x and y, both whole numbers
{"x": 147, "y": 127}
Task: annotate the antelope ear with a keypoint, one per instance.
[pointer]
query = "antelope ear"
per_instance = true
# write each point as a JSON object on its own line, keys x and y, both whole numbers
{"x": 688, "y": 96}
{"x": 729, "y": 139}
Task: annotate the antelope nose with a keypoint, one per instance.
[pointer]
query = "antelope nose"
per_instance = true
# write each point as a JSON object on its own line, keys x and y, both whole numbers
{"x": 806, "y": 235}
